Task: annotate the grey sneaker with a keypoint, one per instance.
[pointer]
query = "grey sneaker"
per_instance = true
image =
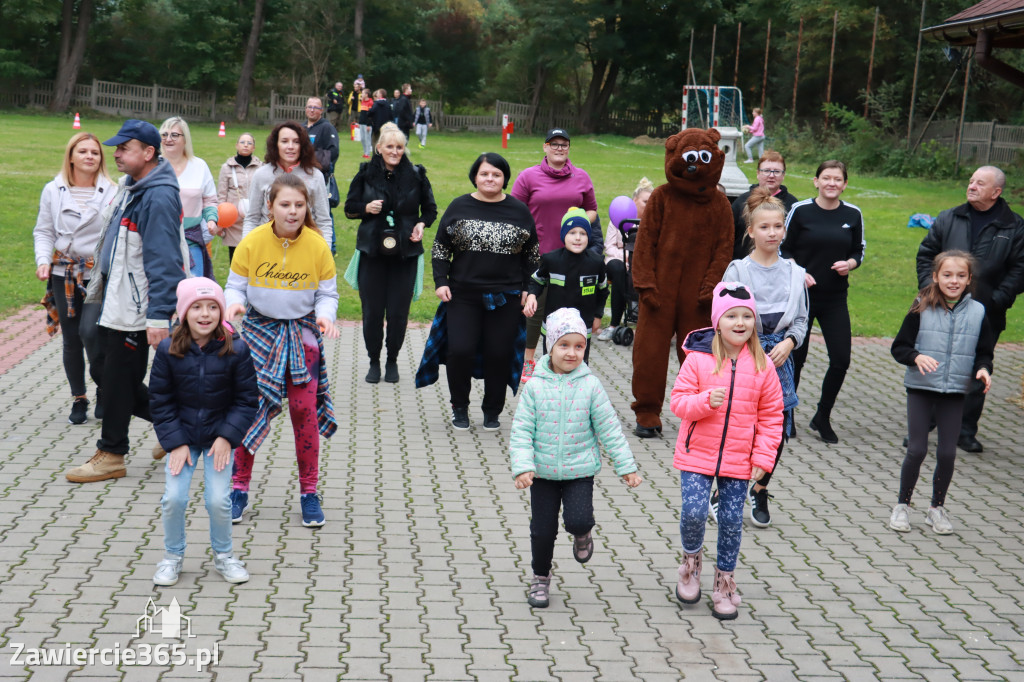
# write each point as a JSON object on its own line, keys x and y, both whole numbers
{"x": 606, "y": 334}
{"x": 900, "y": 518}
{"x": 939, "y": 519}
{"x": 168, "y": 569}
{"x": 537, "y": 597}
{"x": 231, "y": 568}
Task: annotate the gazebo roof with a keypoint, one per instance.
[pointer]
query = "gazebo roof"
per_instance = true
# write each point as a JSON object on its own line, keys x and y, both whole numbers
{"x": 1005, "y": 18}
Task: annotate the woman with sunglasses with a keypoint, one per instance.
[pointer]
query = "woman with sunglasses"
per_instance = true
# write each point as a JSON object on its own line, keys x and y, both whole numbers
{"x": 198, "y": 193}
{"x": 825, "y": 236}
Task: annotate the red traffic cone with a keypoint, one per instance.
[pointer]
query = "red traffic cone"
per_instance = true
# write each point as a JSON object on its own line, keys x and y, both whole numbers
{"x": 77, "y": 125}
{"x": 221, "y": 132}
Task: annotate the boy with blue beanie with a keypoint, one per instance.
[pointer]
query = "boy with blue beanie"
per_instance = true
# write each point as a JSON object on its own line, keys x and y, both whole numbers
{"x": 574, "y": 276}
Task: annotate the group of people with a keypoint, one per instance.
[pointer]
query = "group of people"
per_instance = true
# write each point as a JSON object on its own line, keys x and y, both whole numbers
{"x": 372, "y": 110}
{"x": 509, "y": 268}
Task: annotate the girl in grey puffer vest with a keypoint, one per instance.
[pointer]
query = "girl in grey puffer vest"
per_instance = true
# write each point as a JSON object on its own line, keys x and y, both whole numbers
{"x": 946, "y": 342}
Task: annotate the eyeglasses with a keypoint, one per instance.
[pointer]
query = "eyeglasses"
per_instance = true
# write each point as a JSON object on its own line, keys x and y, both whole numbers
{"x": 560, "y": 146}
{"x": 314, "y": 108}
{"x": 770, "y": 171}
{"x": 171, "y": 136}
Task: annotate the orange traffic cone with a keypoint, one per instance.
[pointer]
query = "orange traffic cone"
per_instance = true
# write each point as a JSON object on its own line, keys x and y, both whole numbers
{"x": 221, "y": 132}
{"x": 78, "y": 123}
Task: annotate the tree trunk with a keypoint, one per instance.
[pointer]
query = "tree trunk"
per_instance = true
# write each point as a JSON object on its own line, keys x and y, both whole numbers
{"x": 357, "y": 33}
{"x": 249, "y": 64}
{"x": 538, "y": 89}
{"x": 72, "y": 52}
{"x": 602, "y": 81}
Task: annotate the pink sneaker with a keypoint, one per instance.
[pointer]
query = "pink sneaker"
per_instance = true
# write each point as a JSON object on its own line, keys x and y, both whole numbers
{"x": 528, "y": 368}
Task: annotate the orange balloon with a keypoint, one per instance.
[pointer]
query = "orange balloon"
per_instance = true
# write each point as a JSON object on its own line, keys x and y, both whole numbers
{"x": 227, "y": 214}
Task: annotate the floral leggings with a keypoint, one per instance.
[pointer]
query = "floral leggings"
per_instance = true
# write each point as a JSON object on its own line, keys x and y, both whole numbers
{"x": 302, "y": 409}
{"x": 693, "y": 518}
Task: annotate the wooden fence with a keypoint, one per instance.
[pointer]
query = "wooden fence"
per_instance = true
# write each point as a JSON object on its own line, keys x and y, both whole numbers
{"x": 629, "y": 123}
{"x": 983, "y": 142}
{"x": 120, "y": 99}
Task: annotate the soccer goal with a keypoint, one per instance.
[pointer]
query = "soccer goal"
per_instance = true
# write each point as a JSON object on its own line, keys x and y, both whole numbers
{"x": 712, "y": 106}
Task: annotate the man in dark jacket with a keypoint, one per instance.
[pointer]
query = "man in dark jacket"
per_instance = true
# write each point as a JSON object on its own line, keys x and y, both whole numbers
{"x": 335, "y": 105}
{"x": 771, "y": 171}
{"x": 986, "y": 228}
{"x": 325, "y": 145}
{"x": 403, "y": 110}
{"x": 140, "y": 261}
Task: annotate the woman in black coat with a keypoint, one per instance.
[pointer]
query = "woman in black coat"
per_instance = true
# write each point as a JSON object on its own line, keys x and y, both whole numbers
{"x": 394, "y": 201}
{"x": 380, "y": 114}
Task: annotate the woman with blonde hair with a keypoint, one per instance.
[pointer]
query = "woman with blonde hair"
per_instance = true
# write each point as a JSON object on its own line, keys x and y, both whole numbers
{"x": 65, "y": 236}
{"x": 198, "y": 193}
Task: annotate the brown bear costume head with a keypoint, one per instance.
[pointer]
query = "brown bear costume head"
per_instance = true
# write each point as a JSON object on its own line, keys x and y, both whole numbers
{"x": 693, "y": 163}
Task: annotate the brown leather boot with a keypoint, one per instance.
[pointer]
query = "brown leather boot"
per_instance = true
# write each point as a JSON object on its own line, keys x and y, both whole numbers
{"x": 100, "y": 467}
{"x": 159, "y": 452}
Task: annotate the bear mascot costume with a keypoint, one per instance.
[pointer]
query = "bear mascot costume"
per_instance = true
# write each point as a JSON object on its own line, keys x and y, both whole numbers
{"x": 683, "y": 246}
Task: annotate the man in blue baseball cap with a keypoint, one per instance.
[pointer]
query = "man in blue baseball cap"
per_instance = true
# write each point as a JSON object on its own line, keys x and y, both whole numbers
{"x": 141, "y": 261}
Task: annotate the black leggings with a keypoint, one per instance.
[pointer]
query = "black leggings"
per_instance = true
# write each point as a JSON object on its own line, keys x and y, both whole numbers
{"x": 74, "y": 342}
{"x": 617, "y": 278}
{"x": 833, "y": 316}
{"x": 948, "y": 408}
{"x": 576, "y": 497}
{"x": 472, "y": 327}
{"x": 385, "y": 287}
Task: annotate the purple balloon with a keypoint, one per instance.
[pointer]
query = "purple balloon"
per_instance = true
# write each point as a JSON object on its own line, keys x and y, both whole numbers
{"x": 622, "y": 208}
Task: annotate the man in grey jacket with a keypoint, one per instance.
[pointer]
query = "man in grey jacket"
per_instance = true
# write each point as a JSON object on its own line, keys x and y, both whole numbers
{"x": 986, "y": 228}
{"x": 140, "y": 264}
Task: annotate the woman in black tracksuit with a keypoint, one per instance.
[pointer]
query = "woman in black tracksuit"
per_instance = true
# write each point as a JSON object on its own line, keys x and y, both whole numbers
{"x": 825, "y": 236}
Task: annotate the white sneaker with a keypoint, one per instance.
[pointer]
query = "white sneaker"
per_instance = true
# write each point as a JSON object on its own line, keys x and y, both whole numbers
{"x": 230, "y": 568}
{"x": 168, "y": 569}
{"x": 939, "y": 519}
{"x": 900, "y": 519}
{"x": 606, "y": 334}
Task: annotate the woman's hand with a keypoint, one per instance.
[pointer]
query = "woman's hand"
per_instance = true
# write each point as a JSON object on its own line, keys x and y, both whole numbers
{"x": 177, "y": 457}
{"x": 43, "y": 272}
{"x": 716, "y": 397}
{"x": 524, "y": 480}
{"x": 221, "y": 452}
{"x": 213, "y": 227}
{"x": 417, "y": 232}
{"x": 633, "y": 479}
{"x": 531, "y": 306}
{"x": 926, "y": 363}
{"x": 327, "y": 327}
{"x": 843, "y": 267}
{"x": 444, "y": 293}
{"x": 375, "y": 206}
{"x": 234, "y": 312}
{"x": 781, "y": 351}
{"x": 984, "y": 376}
{"x": 809, "y": 281}
{"x": 757, "y": 473}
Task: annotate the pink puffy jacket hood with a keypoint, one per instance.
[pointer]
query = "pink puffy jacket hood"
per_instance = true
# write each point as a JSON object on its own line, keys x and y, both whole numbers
{"x": 745, "y": 431}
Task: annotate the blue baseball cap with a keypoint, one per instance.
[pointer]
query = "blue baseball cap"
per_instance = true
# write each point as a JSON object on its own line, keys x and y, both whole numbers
{"x": 134, "y": 129}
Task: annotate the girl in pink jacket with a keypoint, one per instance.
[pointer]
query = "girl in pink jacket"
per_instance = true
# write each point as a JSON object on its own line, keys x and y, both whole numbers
{"x": 730, "y": 400}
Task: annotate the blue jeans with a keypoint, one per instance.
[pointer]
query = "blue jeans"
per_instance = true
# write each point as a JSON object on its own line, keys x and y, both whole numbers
{"x": 196, "y": 252}
{"x": 217, "y": 494}
{"x": 693, "y": 517}
{"x": 755, "y": 141}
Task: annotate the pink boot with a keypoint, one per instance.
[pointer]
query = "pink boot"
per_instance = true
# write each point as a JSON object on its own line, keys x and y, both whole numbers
{"x": 688, "y": 587}
{"x": 725, "y": 597}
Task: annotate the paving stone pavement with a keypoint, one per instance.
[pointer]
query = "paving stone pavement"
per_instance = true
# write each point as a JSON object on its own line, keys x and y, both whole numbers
{"x": 420, "y": 572}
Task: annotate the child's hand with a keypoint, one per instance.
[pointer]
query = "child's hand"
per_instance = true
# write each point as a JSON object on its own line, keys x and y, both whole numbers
{"x": 716, "y": 397}
{"x": 221, "y": 452}
{"x": 757, "y": 473}
{"x": 781, "y": 352}
{"x": 234, "y": 311}
{"x": 524, "y": 480}
{"x": 633, "y": 480}
{"x": 177, "y": 457}
{"x": 531, "y": 306}
{"x": 926, "y": 363}
{"x": 984, "y": 376}
{"x": 327, "y": 327}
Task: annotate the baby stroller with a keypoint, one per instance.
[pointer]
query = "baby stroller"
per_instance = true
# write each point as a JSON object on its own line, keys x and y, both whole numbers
{"x": 623, "y": 335}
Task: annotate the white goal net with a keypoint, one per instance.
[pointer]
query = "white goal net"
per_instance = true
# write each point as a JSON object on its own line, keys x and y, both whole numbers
{"x": 712, "y": 106}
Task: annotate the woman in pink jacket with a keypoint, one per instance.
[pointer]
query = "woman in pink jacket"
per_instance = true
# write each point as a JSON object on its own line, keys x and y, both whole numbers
{"x": 730, "y": 400}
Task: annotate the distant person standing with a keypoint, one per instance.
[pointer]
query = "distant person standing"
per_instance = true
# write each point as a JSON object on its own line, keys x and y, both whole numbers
{"x": 198, "y": 193}
{"x": 324, "y": 138}
{"x": 335, "y": 105}
{"x": 756, "y": 130}
{"x": 771, "y": 171}
{"x": 352, "y": 105}
{"x": 423, "y": 121}
{"x": 380, "y": 114}
{"x": 233, "y": 184}
{"x": 365, "y": 126}
{"x": 403, "y": 111}
{"x": 986, "y": 228}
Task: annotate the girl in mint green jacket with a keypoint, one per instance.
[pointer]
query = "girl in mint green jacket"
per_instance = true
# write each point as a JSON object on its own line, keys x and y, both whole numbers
{"x": 563, "y": 412}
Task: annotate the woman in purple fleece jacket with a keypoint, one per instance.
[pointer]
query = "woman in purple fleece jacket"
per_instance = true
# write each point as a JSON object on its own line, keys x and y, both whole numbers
{"x": 550, "y": 189}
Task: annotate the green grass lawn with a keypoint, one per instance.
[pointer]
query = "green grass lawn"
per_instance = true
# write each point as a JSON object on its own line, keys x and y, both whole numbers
{"x": 881, "y": 290}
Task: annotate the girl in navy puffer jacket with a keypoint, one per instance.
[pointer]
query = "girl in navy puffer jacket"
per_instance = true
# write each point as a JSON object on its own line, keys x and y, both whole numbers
{"x": 562, "y": 414}
{"x": 203, "y": 398}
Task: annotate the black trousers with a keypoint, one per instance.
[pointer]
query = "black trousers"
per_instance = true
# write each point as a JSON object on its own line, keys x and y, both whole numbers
{"x": 385, "y": 290}
{"x": 617, "y": 278}
{"x": 124, "y": 392}
{"x": 974, "y": 403}
{"x": 833, "y": 316}
{"x": 470, "y": 327}
{"x": 947, "y": 409}
{"x": 77, "y": 344}
{"x": 576, "y": 497}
